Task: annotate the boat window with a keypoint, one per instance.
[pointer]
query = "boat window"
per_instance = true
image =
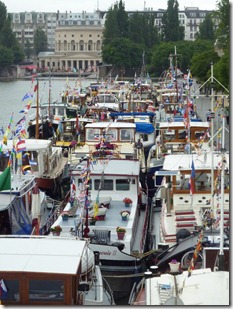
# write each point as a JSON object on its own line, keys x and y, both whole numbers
{"x": 34, "y": 161}
{"x": 126, "y": 134}
{"x": 169, "y": 134}
{"x": 184, "y": 182}
{"x": 92, "y": 134}
{"x": 199, "y": 134}
{"x": 111, "y": 135}
{"x": 107, "y": 184}
{"x": 182, "y": 134}
{"x": 202, "y": 181}
{"x": 122, "y": 185}
{"x": 144, "y": 137}
{"x": 48, "y": 290}
{"x": 12, "y": 290}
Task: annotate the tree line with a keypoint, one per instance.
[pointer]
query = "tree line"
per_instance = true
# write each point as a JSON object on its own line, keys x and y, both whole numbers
{"x": 11, "y": 52}
{"x": 127, "y": 37}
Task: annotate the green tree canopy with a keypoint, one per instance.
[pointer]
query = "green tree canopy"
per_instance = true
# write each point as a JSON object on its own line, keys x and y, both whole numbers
{"x": 3, "y": 15}
{"x": 222, "y": 71}
{"x": 123, "y": 53}
{"x": 40, "y": 41}
{"x": 206, "y": 29}
{"x": 11, "y": 52}
{"x": 171, "y": 29}
{"x": 6, "y": 57}
{"x": 201, "y": 62}
{"x": 160, "y": 60}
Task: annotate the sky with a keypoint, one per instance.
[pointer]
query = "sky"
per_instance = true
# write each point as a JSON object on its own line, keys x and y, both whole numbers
{"x": 77, "y": 6}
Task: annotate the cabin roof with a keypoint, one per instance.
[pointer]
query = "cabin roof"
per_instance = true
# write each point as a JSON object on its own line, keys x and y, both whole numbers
{"x": 176, "y": 124}
{"x": 41, "y": 255}
{"x": 111, "y": 125}
{"x": 184, "y": 161}
{"x": 114, "y": 167}
{"x": 30, "y": 144}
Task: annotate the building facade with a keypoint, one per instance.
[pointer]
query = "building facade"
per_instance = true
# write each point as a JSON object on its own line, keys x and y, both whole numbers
{"x": 77, "y": 48}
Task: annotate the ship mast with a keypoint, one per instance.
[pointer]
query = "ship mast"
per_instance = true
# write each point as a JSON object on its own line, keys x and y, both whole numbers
{"x": 37, "y": 108}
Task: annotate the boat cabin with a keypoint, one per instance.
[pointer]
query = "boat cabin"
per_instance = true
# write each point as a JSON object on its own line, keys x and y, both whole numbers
{"x": 174, "y": 135}
{"x": 72, "y": 129}
{"x": 45, "y": 271}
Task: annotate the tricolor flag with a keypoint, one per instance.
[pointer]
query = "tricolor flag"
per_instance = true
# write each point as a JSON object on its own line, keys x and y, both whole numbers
{"x": 192, "y": 179}
{"x": 21, "y": 145}
{"x": 3, "y": 289}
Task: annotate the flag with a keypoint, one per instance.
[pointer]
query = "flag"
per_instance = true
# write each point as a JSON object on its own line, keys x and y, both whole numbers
{"x": 96, "y": 206}
{"x": 27, "y": 96}
{"x": 21, "y": 145}
{"x": 3, "y": 289}
{"x": 21, "y": 121}
{"x": 192, "y": 179}
{"x": 5, "y": 179}
{"x": 36, "y": 87}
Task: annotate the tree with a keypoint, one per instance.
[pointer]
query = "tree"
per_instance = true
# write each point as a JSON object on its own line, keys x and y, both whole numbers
{"x": 171, "y": 29}
{"x": 185, "y": 50}
{"x": 206, "y": 29}
{"x": 123, "y": 53}
{"x": 28, "y": 49}
{"x": 111, "y": 27}
{"x": 222, "y": 71}
{"x": 200, "y": 64}
{"x": 3, "y": 15}
{"x": 116, "y": 23}
{"x": 6, "y": 57}
{"x": 11, "y": 52}
{"x": 142, "y": 29}
{"x": 40, "y": 41}
{"x": 223, "y": 29}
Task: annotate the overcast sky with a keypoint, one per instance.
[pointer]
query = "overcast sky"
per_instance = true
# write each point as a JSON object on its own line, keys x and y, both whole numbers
{"x": 77, "y": 6}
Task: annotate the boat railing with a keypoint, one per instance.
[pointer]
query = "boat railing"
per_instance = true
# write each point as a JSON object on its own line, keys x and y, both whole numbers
{"x": 109, "y": 293}
{"x": 101, "y": 236}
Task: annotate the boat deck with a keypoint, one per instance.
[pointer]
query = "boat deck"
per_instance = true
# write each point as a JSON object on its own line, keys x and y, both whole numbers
{"x": 134, "y": 225}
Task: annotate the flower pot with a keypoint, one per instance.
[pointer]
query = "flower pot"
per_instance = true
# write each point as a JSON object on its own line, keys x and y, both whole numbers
{"x": 174, "y": 267}
{"x": 65, "y": 218}
{"x": 120, "y": 235}
{"x": 92, "y": 222}
{"x": 127, "y": 204}
{"x": 56, "y": 233}
{"x": 124, "y": 218}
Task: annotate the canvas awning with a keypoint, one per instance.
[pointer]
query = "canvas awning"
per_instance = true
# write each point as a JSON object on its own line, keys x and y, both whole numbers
{"x": 28, "y": 67}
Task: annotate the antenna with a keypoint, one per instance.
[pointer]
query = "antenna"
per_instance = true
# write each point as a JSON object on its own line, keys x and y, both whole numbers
{"x": 97, "y": 5}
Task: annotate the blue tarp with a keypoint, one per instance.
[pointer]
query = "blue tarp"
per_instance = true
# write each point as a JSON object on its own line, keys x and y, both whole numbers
{"x": 144, "y": 127}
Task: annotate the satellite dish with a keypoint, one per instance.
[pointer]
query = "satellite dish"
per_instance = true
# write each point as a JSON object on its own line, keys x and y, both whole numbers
{"x": 174, "y": 301}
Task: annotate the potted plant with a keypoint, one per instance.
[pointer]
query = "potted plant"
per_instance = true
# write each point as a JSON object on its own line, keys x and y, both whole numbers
{"x": 56, "y": 230}
{"x": 120, "y": 232}
{"x": 125, "y": 215}
{"x": 174, "y": 265}
{"x": 127, "y": 201}
{"x": 65, "y": 215}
